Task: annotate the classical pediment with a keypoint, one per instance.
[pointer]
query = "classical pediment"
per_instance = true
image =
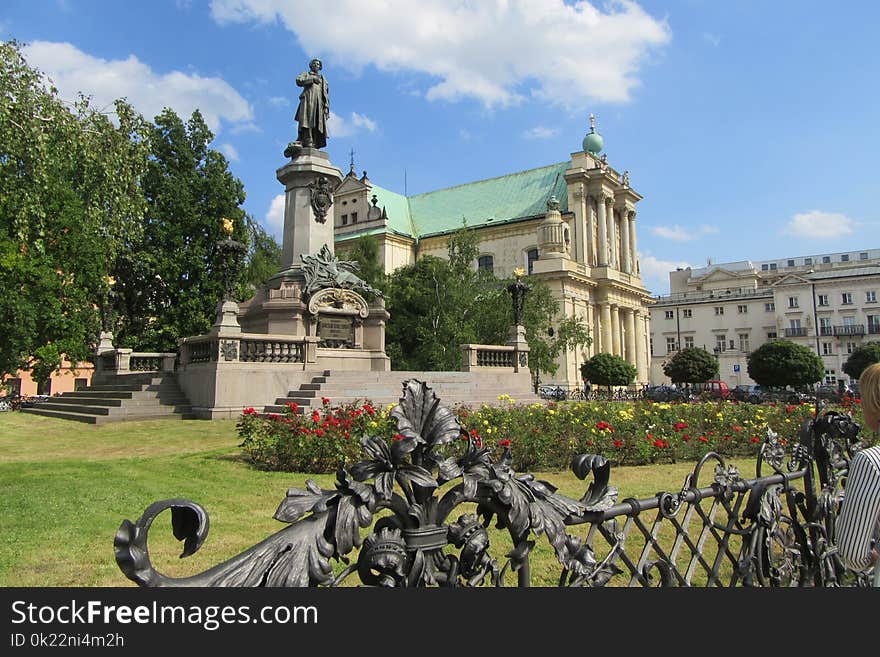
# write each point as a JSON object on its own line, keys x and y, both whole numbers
{"x": 351, "y": 184}
{"x": 790, "y": 279}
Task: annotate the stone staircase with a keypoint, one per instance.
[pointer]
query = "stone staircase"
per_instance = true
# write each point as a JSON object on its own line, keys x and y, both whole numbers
{"x": 383, "y": 388}
{"x": 120, "y": 397}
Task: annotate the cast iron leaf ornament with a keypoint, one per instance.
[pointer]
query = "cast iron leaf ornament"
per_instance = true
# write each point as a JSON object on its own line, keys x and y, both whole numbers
{"x": 402, "y": 495}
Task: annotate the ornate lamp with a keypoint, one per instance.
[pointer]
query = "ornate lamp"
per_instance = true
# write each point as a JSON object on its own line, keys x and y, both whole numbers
{"x": 518, "y": 291}
{"x": 231, "y": 252}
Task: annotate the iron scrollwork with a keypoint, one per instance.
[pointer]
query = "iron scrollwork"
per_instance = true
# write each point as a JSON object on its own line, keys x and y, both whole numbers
{"x": 764, "y": 531}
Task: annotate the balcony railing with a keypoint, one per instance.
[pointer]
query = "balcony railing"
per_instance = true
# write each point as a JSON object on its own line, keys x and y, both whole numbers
{"x": 874, "y": 329}
{"x": 800, "y": 332}
{"x": 849, "y": 329}
{"x": 826, "y": 330}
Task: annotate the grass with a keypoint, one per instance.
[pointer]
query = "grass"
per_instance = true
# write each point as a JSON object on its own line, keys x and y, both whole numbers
{"x": 66, "y": 487}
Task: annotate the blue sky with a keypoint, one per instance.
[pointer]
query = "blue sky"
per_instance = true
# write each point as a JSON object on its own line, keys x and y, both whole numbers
{"x": 748, "y": 126}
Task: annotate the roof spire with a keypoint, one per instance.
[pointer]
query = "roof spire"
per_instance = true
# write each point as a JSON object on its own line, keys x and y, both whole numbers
{"x": 351, "y": 160}
{"x": 592, "y": 122}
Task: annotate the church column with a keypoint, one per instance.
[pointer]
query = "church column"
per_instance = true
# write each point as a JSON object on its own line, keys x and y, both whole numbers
{"x": 641, "y": 350}
{"x": 581, "y": 224}
{"x": 631, "y": 216}
{"x": 602, "y": 255}
{"x": 615, "y": 330}
{"x": 630, "y": 323}
{"x": 611, "y": 237}
{"x": 605, "y": 326}
{"x": 591, "y": 241}
{"x": 626, "y": 260}
{"x": 588, "y": 311}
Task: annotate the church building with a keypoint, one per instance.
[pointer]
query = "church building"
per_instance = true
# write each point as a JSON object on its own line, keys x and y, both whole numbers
{"x": 571, "y": 224}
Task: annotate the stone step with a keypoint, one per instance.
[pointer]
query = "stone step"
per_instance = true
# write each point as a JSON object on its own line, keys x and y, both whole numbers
{"x": 151, "y": 409}
{"x": 112, "y": 401}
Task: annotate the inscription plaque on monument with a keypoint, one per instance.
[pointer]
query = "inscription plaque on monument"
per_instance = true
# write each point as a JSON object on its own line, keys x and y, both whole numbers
{"x": 336, "y": 331}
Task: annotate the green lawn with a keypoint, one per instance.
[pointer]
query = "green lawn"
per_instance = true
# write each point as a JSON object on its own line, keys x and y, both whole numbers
{"x": 67, "y": 486}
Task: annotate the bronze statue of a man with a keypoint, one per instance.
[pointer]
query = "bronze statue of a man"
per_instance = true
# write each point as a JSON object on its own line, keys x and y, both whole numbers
{"x": 314, "y": 107}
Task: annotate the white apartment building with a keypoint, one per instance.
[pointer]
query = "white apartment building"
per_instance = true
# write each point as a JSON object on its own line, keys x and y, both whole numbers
{"x": 827, "y": 302}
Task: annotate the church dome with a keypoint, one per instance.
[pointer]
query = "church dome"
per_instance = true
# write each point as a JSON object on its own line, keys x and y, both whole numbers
{"x": 593, "y": 142}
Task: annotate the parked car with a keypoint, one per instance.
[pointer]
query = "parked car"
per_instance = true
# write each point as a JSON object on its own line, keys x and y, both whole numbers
{"x": 27, "y": 402}
{"x": 747, "y": 393}
{"x": 663, "y": 393}
{"x": 5, "y": 404}
{"x": 784, "y": 396}
{"x": 715, "y": 389}
{"x": 829, "y": 393}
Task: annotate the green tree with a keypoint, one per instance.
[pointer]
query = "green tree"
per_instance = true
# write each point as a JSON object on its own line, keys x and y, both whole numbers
{"x": 437, "y": 305}
{"x": 263, "y": 259}
{"x": 860, "y": 358}
{"x": 691, "y": 365}
{"x": 781, "y": 363}
{"x": 169, "y": 284}
{"x": 608, "y": 370}
{"x": 365, "y": 251}
{"x": 69, "y": 205}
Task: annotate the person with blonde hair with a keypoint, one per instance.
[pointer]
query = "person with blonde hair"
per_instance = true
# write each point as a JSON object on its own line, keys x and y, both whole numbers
{"x": 858, "y": 525}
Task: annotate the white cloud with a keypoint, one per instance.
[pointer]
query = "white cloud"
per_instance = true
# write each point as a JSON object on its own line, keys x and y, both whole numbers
{"x": 275, "y": 217}
{"x": 229, "y": 151}
{"x": 149, "y": 92}
{"x": 682, "y": 234}
{"x": 279, "y": 101}
{"x": 338, "y": 126}
{"x": 712, "y": 39}
{"x": 540, "y": 132}
{"x": 820, "y": 225}
{"x": 655, "y": 272}
{"x": 498, "y": 52}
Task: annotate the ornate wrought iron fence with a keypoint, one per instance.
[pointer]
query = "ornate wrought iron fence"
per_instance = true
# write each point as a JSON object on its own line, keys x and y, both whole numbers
{"x": 776, "y": 529}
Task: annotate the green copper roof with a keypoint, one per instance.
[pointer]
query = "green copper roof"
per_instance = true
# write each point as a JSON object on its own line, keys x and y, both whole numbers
{"x": 520, "y": 195}
{"x": 397, "y": 208}
{"x": 485, "y": 202}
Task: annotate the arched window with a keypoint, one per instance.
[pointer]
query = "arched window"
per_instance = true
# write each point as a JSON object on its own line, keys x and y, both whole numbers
{"x": 486, "y": 263}
{"x": 531, "y": 256}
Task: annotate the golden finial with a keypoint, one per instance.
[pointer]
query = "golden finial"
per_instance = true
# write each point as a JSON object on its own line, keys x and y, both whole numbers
{"x": 228, "y": 226}
{"x": 519, "y": 272}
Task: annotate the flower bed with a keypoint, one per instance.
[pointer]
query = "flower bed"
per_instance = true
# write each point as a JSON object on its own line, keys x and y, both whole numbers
{"x": 542, "y": 436}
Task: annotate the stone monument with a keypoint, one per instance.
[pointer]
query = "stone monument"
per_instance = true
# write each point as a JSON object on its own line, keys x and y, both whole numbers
{"x": 314, "y": 314}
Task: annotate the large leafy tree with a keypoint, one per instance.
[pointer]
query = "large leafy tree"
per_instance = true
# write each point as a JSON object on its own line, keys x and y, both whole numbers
{"x": 69, "y": 206}
{"x": 169, "y": 282}
{"x": 781, "y": 363}
{"x": 691, "y": 365}
{"x": 263, "y": 259}
{"x": 365, "y": 251}
{"x": 609, "y": 370}
{"x": 860, "y": 358}
{"x": 436, "y": 305}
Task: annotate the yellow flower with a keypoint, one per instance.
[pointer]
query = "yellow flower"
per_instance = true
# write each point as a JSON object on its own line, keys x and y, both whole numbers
{"x": 373, "y": 424}
{"x": 485, "y": 423}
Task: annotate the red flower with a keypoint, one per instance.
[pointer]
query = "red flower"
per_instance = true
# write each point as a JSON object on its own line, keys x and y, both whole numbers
{"x": 703, "y": 439}
{"x": 316, "y": 417}
{"x": 504, "y": 443}
{"x": 399, "y": 436}
{"x": 686, "y": 437}
{"x": 274, "y": 416}
{"x": 678, "y": 426}
{"x": 590, "y": 443}
{"x": 618, "y": 443}
{"x": 369, "y": 409}
{"x": 755, "y": 439}
{"x": 789, "y": 408}
{"x": 293, "y": 406}
{"x": 319, "y": 432}
{"x": 249, "y": 411}
{"x": 658, "y": 443}
{"x": 325, "y": 400}
{"x": 737, "y": 428}
{"x": 604, "y": 426}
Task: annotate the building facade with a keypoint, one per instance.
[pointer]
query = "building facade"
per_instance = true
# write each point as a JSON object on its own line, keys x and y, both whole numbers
{"x": 571, "y": 224}
{"x": 826, "y": 302}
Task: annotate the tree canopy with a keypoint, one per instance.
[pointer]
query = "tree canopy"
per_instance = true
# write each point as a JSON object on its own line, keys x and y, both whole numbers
{"x": 860, "y": 358}
{"x": 70, "y": 204}
{"x": 781, "y": 363}
{"x": 436, "y": 305}
{"x": 609, "y": 370}
{"x": 691, "y": 365}
{"x": 108, "y": 217}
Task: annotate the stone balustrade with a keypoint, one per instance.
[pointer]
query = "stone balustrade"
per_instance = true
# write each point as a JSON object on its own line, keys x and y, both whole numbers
{"x": 483, "y": 356}
{"x": 124, "y": 361}
{"x": 248, "y": 348}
